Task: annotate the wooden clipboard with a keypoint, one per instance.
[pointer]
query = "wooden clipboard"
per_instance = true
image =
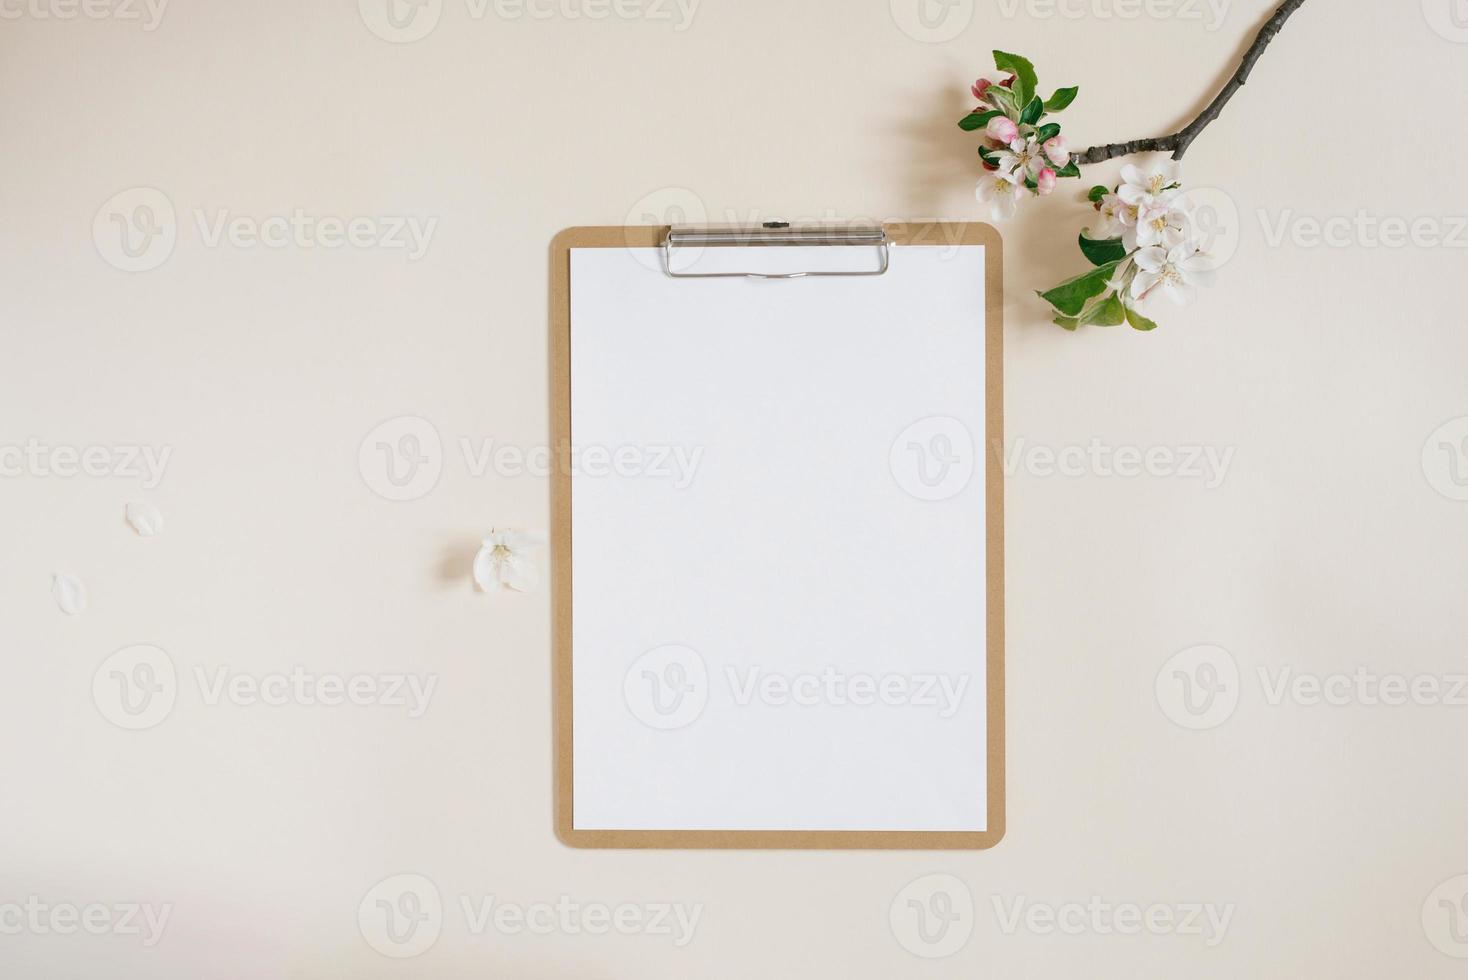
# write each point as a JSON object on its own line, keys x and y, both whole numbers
{"x": 562, "y": 556}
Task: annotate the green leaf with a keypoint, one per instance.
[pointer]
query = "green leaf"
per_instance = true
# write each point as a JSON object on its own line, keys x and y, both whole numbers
{"x": 1102, "y": 250}
{"x": 1062, "y": 98}
{"x": 1033, "y": 111}
{"x": 1108, "y": 313}
{"x": 1047, "y": 132}
{"x": 1096, "y": 193}
{"x": 1070, "y": 296}
{"x": 1138, "y": 321}
{"x": 988, "y": 155}
{"x": 1004, "y": 98}
{"x": 977, "y": 120}
{"x": 1069, "y": 170}
{"x": 1025, "y": 81}
{"x": 1068, "y": 322}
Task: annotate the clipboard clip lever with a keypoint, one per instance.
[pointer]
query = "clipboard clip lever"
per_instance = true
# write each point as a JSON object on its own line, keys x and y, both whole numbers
{"x": 777, "y": 233}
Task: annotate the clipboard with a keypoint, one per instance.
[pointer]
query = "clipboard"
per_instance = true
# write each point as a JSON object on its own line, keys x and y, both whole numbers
{"x": 869, "y": 254}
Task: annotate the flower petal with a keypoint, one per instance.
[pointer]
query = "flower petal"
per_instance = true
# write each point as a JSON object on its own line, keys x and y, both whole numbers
{"x": 1131, "y": 194}
{"x": 519, "y": 573}
{"x": 1151, "y": 259}
{"x": 145, "y": 519}
{"x": 1131, "y": 174}
{"x": 70, "y": 593}
{"x": 1144, "y": 282}
{"x": 1179, "y": 292}
{"x": 487, "y": 569}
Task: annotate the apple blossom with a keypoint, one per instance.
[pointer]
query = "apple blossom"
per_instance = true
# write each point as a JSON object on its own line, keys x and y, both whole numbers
{"x": 1115, "y": 214}
{"x": 1045, "y": 181}
{"x": 980, "y": 87}
{"x": 1002, "y": 129}
{"x": 1140, "y": 187}
{"x": 1177, "y": 270}
{"x": 1163, "y": 223}
{"x": 1023, "y": 157}
{"x": 1001, "y": 191}
{"x": 1057, "y": 150}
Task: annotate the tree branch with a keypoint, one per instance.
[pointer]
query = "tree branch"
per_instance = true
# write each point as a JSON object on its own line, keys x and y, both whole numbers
{"x": 1180, "y": 141}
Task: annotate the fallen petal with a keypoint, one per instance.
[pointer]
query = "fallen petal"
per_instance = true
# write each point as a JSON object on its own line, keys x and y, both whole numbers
{"x": 486, "y": 569}
{"x": 519, "y": 573}
{"x": 145, "y": 519}
{"x": 70, "y": 593}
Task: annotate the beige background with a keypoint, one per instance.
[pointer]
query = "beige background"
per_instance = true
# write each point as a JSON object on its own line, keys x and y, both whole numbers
{"x": 1326, "y": 547}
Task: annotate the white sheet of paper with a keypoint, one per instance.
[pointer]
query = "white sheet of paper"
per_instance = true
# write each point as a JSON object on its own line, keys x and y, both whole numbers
{"x": 778, "y": 532}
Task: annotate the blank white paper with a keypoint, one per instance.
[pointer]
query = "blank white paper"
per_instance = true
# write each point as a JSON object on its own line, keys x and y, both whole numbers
{"x": 778, "y": 571}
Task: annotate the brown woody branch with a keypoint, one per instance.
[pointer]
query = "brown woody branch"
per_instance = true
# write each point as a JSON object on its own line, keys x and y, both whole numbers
{"x": 1179, "y": 142}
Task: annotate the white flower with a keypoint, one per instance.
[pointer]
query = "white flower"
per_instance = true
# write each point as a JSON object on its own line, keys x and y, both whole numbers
{"x": 1001, "y": 190}
{"x": 502, "y": 561}
{"x": 1177, "y": 270}
{"x": 1116, "y": 217}
{"x": 1163, "y": 222}
{"x": 1024, "y": 157}
{"x": 1140, "y": 187}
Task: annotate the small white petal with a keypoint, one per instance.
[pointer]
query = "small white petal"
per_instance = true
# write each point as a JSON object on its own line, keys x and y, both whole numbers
{"x": 1144, "y": 283}
{"x": 487, "y": 569}
{"x": 519, "y": 573}
{"x": 1179, "y": 292}
{"x": 145, "y": 519}
{"x": 1132, "y": 194}
{"x": 70, "y": 593}
{"x": 1132, "y": 175}
{"x": 1151, "y": 259}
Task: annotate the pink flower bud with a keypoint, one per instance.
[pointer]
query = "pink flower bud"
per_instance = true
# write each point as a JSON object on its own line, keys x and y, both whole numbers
{"x": 1045, "y": 181}
{"x": 1002, "y": 128}
{"x": 980, "y": 87}
{"x": 1057, "y": 150}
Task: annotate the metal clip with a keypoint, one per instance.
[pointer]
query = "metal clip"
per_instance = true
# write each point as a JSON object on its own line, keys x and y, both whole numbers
{"x": 775, "y": 233}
